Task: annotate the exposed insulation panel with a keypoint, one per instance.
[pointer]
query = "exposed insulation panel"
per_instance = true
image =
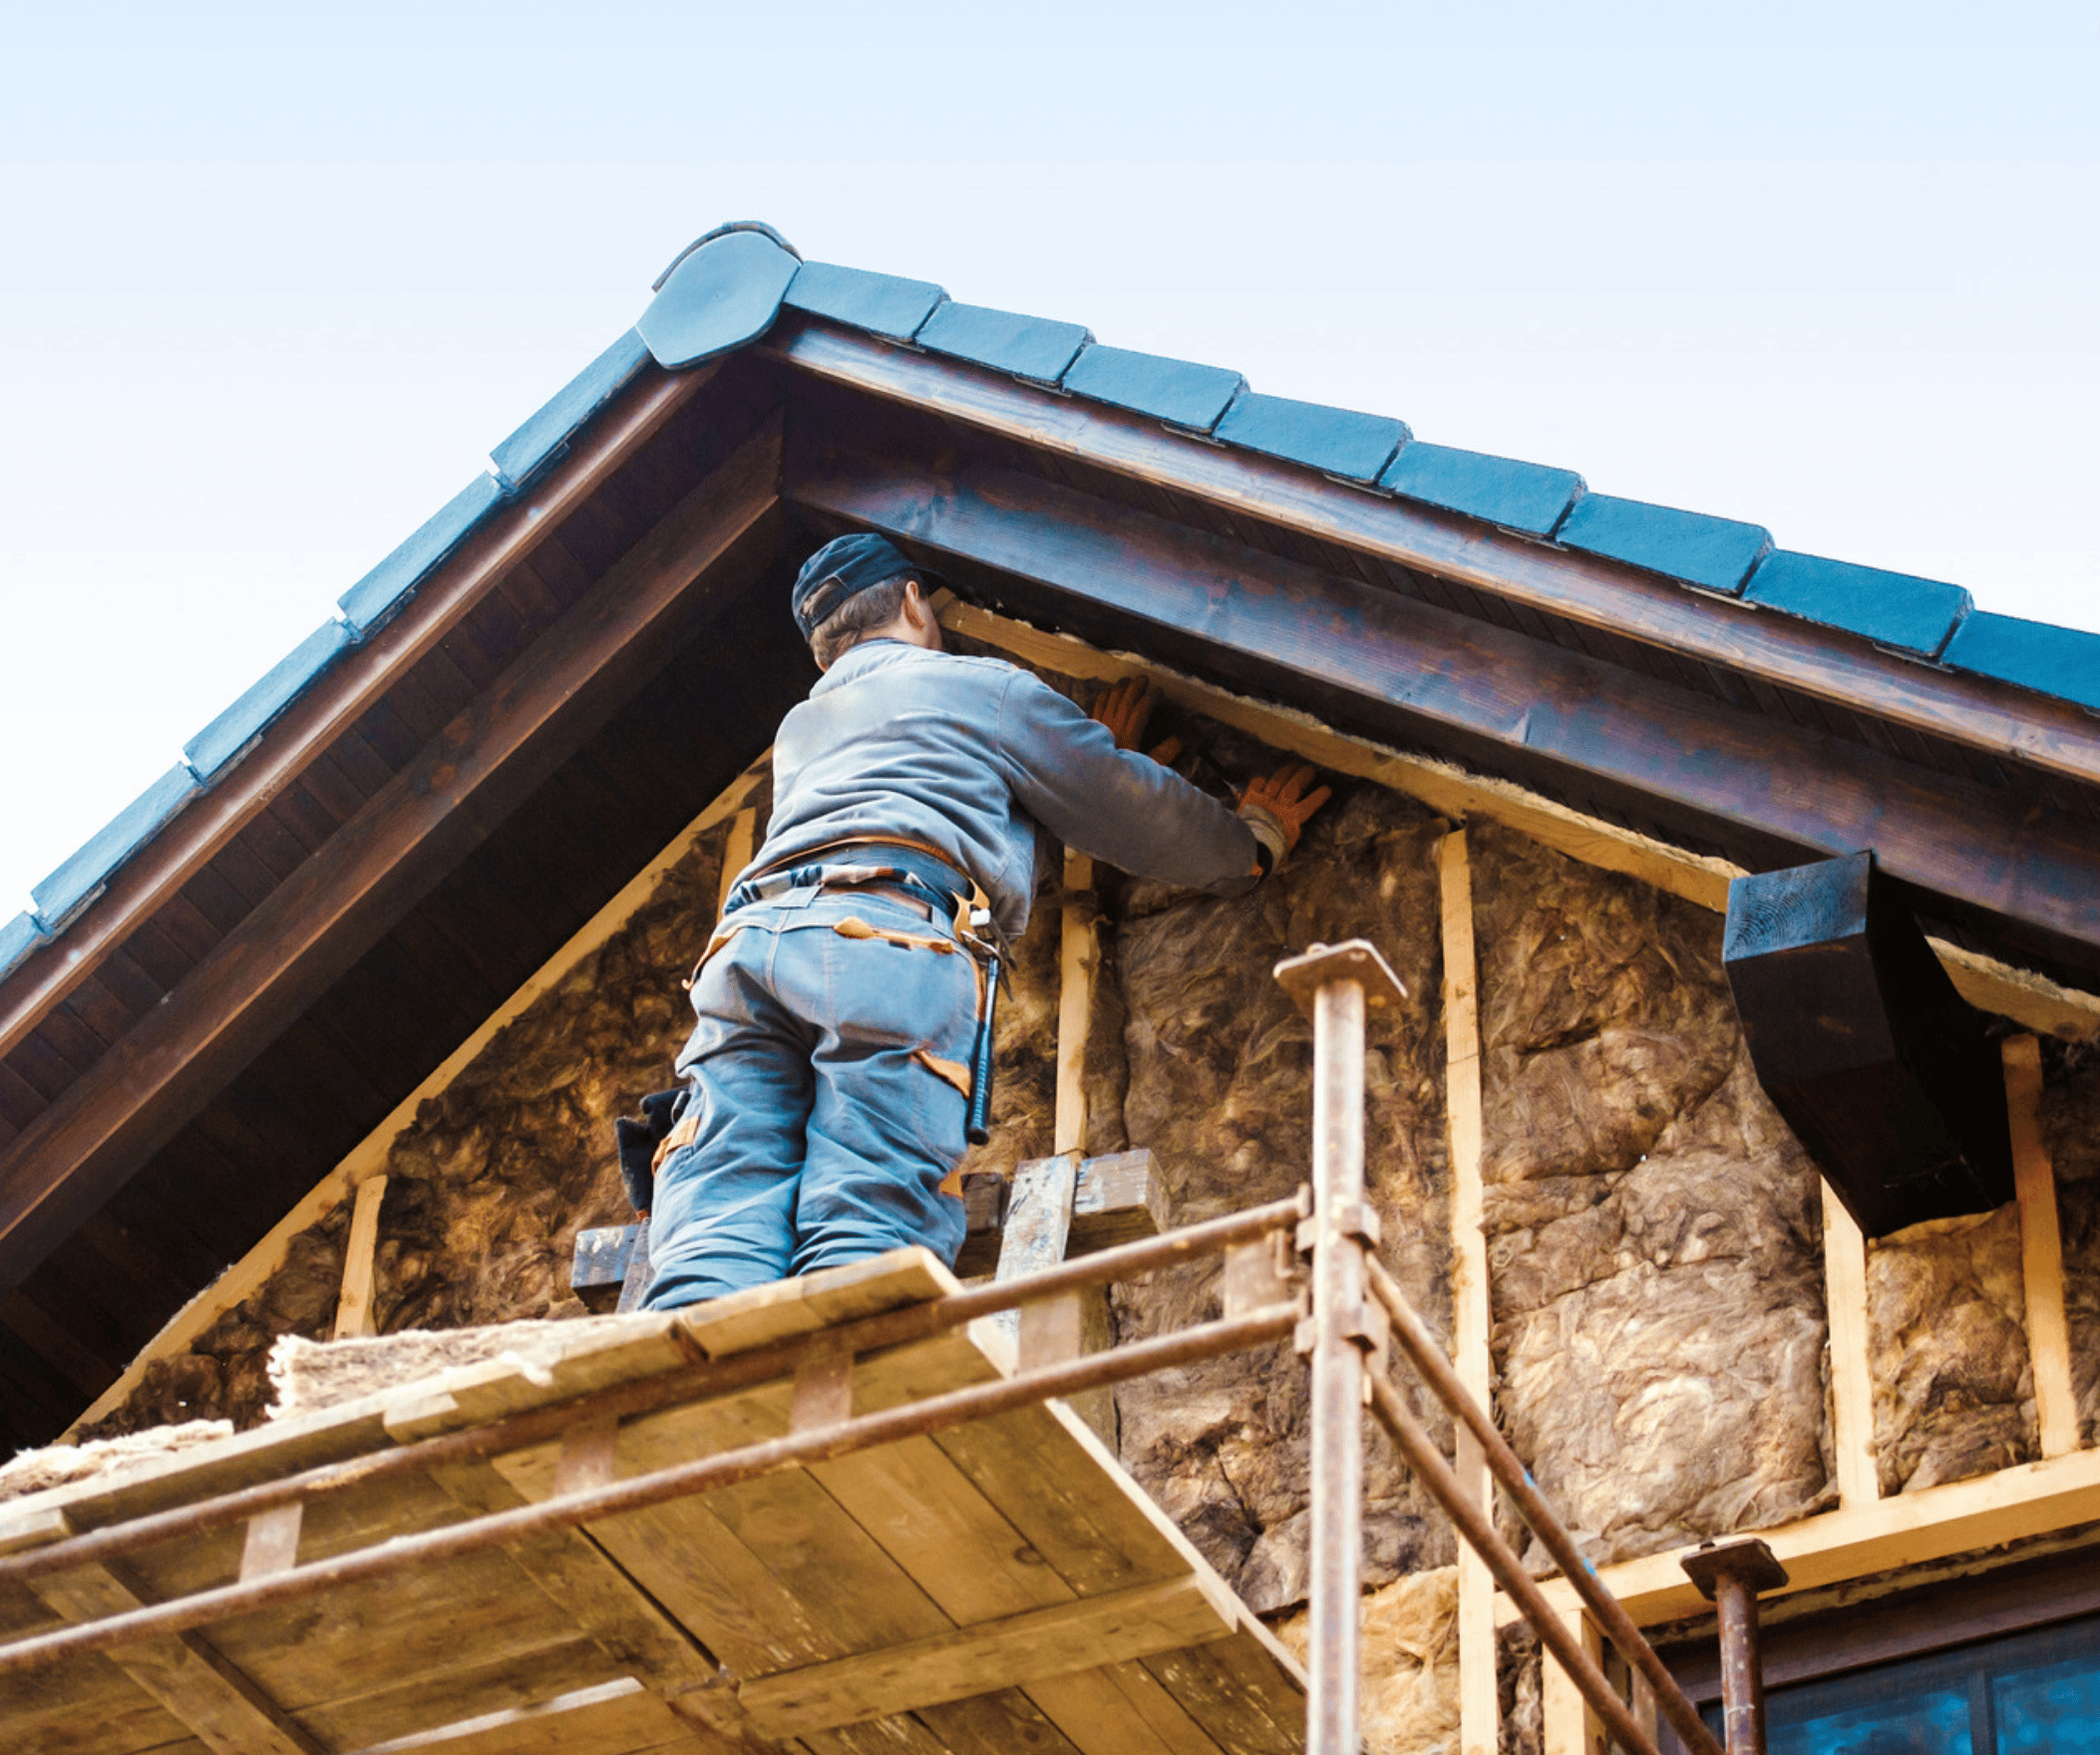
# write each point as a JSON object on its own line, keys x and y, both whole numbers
{"x": 2070, "y": 1113}
{"x": 1953, "y": 1393}
{"x": 1653, "y": 1226}
{"x": 1216, "y": 1080}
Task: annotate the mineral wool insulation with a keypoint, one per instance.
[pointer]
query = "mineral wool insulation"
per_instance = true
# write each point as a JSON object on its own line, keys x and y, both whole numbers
{"x": 1653, "y": 1229}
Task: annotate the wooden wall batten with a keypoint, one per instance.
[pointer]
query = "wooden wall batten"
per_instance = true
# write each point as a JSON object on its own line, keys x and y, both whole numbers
{"x": 1480, "y": 1713}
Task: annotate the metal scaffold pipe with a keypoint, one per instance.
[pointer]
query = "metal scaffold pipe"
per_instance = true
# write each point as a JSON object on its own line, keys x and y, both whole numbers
{"x": 1427, "y": 1356}
{"x": 1337, "y": 985}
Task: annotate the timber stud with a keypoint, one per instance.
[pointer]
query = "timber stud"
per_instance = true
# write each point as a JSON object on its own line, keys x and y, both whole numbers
{"x": 1730, "y": 1577}
{"x": 1337, "y": 985}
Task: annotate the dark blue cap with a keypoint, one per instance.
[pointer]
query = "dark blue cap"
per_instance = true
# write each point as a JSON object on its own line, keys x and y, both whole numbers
{"x": 845, "y": 567}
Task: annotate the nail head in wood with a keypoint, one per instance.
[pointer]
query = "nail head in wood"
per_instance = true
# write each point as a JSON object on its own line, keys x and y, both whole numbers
{"x": 1355, "y": 960}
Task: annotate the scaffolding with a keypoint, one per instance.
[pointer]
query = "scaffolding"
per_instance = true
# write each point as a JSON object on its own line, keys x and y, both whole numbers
{"x": 1304, "y": 1270}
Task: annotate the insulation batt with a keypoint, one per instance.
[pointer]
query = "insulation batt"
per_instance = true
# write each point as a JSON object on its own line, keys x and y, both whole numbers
{"x": 1954, "y": 1392}
{"x": 1653, "y": 1226}
{"x": 1215, "y": 1078}
{"x": 1409, "y": 1698}
{"x": 2070, "y": 1116}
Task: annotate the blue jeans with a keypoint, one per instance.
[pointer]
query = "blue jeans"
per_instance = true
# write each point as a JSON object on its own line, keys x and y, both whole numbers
{"x": 827, "y": 1116}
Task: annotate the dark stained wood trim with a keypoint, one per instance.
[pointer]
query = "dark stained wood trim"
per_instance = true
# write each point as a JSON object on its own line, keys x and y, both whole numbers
{"x": 2055, "y": 736}
{"x": 458, "y": 789}
{"x": 1920, "y": 1622}
{"x": 1458, "y": 682}
{"x": 215, "y": 818}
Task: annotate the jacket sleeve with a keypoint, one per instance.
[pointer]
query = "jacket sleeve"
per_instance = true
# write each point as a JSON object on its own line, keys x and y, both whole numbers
{"x": 1117, "y": 805}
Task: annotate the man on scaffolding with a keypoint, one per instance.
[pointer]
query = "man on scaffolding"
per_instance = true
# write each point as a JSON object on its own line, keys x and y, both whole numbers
{"x": 844, "y": 1002}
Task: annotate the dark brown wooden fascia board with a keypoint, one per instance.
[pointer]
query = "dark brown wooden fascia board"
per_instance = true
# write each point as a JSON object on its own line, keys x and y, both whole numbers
{"x": 1452, "y": 682}
{"x": 405, "y": 837}
{"x": 335, "y": 702}
{"x": 2057, "y": 737}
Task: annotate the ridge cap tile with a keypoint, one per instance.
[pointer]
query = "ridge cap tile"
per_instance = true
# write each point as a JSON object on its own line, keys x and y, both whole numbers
{"x": 80, "y": 877}
{"x": 18, "y": 937}
{"x": 2037, "y": 655}
{"x": 723, "y": 293}
{"x": 1337, "y": 441}
{"x": 368, "y": 602}
{"x": 1041, "y": 349}
{"x": 1695, "y": 548}
{"x": 889, "y": 305}
{"x": 544, "y": 435}
{"x": 1181, "y": 391}
{"x": 232, "y": 731}
{"x": 1507, "y": 490}
{"x": 1899, "y": 609}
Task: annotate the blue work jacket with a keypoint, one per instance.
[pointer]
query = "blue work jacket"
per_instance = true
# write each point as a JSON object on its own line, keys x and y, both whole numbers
{"x": 968, "y": 756}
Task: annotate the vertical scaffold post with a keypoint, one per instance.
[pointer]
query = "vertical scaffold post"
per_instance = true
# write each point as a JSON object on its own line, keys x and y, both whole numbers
{"x": 1337, "y": 985}
{"x": 1730, "y": 1577}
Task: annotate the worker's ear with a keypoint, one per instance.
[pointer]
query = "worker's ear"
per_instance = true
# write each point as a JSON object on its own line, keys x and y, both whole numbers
{"x": 920, "y": 617}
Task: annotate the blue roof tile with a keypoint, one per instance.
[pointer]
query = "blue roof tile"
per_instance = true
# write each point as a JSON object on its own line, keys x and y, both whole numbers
{"x": 228, "y": 735}
{"x": 18, "y": 937}
{"x": 2055, "y": 660}
{"x": 720, "y": 295}
{"x": 1717, "y": 552}
{"x": 367, "y": 603}
{"x": 1150, "y": 384}
{"x": 546, "y": 435}
{"x": 881, "y": 304}
{"x": 1893, "y": 608}
{"x": 76, "y": 881}
{"x": 1519, "y": 496}
{"x": 1335, "y": 440}
{"x": 1028, "y": 347}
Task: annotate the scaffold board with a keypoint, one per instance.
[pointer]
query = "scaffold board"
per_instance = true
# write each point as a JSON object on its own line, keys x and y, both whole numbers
{"x": 999, "y": 1585}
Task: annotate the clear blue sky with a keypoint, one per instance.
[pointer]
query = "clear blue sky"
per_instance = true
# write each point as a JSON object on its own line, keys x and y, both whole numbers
{"x": 275, "y": 281}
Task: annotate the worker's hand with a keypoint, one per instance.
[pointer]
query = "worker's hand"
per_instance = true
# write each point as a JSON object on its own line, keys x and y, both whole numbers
{"x": 1277, "y": 807}
{"x": 1123, "y": 708}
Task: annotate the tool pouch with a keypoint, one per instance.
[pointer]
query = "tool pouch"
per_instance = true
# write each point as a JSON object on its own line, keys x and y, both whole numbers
{"x": 641, "y": 1141}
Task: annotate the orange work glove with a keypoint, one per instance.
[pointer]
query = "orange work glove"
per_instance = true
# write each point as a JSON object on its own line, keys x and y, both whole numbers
{"x": 1123, "y": 708}
{"x": 1277, "y": 807}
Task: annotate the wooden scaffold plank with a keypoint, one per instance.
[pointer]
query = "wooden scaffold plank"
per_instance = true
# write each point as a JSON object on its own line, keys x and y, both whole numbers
{"x": 965, "y": 1661}
{"x": 185, "y": 1672}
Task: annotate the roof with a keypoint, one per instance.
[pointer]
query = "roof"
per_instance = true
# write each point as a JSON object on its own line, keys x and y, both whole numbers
{"x": 363, "y": 857}
{"x": 713, "y": 299}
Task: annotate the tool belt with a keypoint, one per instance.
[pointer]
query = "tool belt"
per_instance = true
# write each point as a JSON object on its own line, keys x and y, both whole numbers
{"x": 873, "y": 862}
{"x": 919, "y": 873}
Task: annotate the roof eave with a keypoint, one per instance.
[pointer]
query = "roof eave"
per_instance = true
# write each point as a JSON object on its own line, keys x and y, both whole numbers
{"x": 2000, "y": 719}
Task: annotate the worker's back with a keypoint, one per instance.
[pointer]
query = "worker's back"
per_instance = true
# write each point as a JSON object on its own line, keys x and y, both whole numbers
{"x": 967, "y": 756}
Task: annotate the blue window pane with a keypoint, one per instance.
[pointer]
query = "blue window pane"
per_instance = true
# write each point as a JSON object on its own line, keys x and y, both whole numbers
{"x": 1814, "y": 1721}
{"x": 2054, "y": 1710}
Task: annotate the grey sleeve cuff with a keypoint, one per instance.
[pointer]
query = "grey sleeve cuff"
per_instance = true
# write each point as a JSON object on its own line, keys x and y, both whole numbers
{"x": 1268, "y": 836}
